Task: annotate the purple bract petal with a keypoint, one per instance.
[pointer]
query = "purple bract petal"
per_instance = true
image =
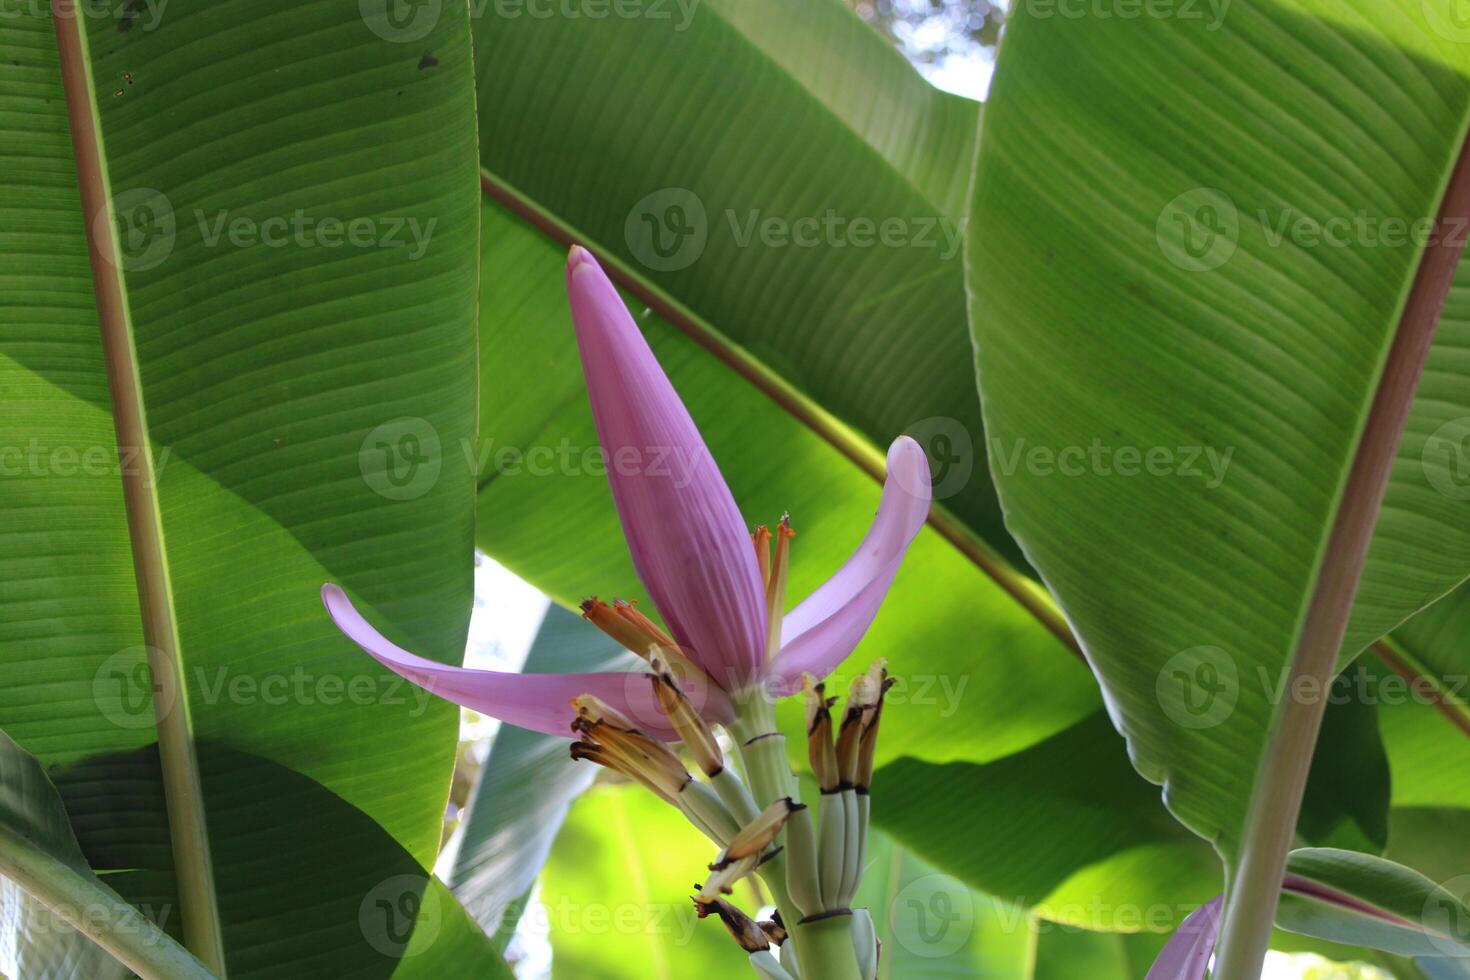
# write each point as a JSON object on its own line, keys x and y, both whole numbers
{"x": 688, "y": 541}
{"x": 820, "y": 632}
{"x": 1187, "y": 954}
{"x": 539, "y": 702}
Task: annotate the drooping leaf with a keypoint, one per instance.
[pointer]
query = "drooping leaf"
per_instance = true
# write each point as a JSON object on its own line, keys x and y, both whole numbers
{"x": 48, "y": 894}
{"x": 1364, "y": 900}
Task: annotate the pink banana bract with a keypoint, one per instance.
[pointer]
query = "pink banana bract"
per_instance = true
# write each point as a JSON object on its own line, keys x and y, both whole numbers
{"x": 690, "y": 546}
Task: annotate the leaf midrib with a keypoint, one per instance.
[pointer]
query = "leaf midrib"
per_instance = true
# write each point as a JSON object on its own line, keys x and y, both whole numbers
{"x": 180, "y": 768}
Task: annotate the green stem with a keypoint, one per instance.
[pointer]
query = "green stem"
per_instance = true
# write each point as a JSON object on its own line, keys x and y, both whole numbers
{"x": 824, "y": 948}
{"x": 97, "y": 912}
{"x": 736, "y": 797}
{"x": 762, "y": 752}
{"x": 182, "y": 790}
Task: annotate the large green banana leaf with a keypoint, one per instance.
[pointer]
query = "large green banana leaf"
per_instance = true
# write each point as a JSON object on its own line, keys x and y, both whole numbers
{"x": 290, "y": 196}
{"x": 1146, "y": 280}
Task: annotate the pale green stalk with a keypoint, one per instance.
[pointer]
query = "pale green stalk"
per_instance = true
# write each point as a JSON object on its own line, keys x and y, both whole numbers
{"x": 97, "y": 912}
{"x": 824, "y": 948}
